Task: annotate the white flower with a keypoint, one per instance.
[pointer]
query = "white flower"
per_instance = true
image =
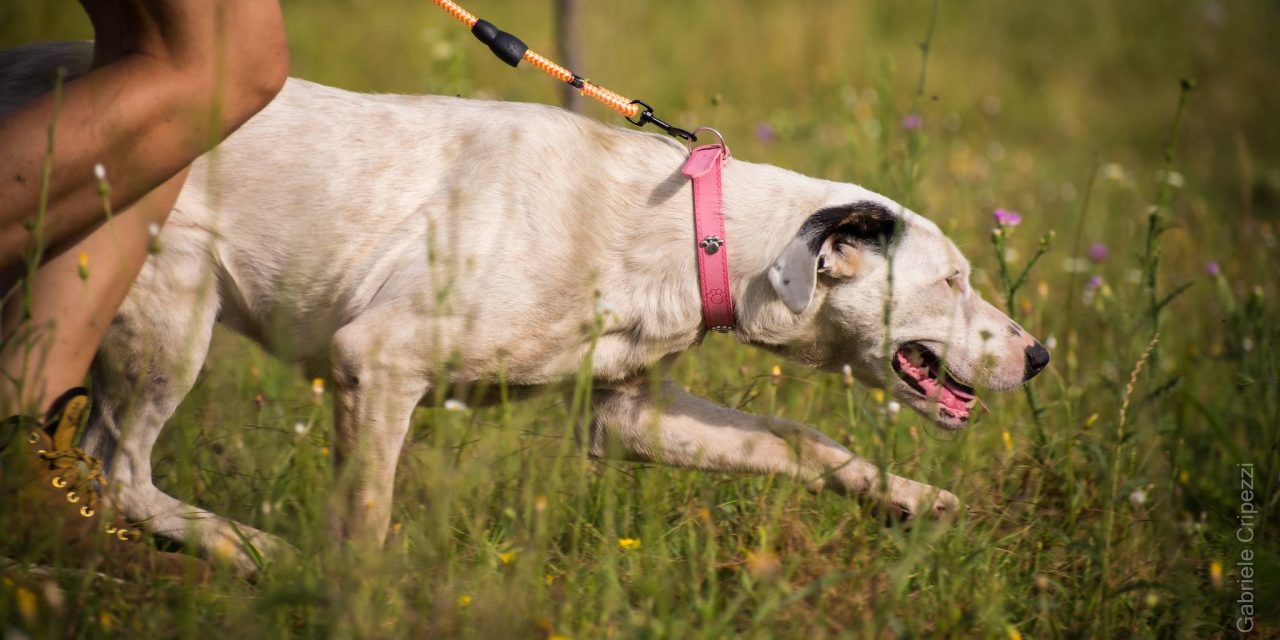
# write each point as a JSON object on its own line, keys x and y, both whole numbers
{"x": 893, "y": 408}
{"x": 99, "y": 172}
{"x": 1138, "y": 497}
{"x": 453, "y": 404}
{"x": 1171, "y": 178}
{"x": 300, "y": 428}
{"x": 1051, "y": 343}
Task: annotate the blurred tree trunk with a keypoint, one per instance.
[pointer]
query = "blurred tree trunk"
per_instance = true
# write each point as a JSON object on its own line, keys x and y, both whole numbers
{"x": 567, "y": 44}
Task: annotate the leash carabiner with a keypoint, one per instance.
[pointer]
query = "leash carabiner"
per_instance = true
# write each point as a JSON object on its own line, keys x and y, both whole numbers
{"x": 646, "y": 116}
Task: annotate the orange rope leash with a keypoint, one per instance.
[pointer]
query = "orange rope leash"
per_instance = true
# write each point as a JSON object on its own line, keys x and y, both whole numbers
{"x": 511, "y": 50}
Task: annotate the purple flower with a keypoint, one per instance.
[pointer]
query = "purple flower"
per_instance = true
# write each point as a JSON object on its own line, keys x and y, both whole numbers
{"x": 1212, "y": 268}
{"x": 1098, "y": 252}
{"x": 1093, "y": 284}
{"x": 765, "y": 133}
{"x": 1006, "y": 218}
{"x": 911, "y": 122}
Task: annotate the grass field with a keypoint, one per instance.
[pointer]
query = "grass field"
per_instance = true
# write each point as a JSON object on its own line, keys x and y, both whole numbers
{"x": 1098, "y": 504}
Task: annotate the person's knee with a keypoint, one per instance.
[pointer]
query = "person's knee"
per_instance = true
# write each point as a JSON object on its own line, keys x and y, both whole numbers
{"x": 257, "y": 77}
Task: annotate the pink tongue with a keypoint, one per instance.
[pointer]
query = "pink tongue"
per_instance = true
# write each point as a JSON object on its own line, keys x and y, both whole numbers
{"x": 947, "y": 395}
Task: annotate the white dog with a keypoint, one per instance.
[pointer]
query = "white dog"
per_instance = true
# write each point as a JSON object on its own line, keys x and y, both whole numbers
{"x": 397, "y": 243}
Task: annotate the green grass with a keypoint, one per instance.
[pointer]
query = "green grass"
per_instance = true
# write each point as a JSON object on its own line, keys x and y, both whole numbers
{"x": 1026, "y": 106}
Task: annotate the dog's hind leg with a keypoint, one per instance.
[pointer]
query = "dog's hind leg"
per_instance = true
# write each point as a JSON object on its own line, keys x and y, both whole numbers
{"x": 148, "y": 362}
{"x": 378, "y": 380}
{"x": 670, "y": 426}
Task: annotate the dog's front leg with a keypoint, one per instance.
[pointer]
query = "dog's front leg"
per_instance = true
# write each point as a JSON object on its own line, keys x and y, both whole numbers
{"x": 667, "y": 425}
{"x": 377, "y": 384}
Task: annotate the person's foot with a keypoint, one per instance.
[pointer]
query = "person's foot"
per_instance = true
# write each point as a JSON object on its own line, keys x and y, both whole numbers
{"x": 56, "y": 512}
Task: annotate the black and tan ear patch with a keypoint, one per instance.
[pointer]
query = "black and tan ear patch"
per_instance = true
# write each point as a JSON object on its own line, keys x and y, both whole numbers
{"x": 830, "y": 241}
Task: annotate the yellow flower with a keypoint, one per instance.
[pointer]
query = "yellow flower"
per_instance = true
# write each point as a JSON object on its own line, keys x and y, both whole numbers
{"x": 1091, "y": 420}
{"x": 106, "y": 621}
{"x": 556, "y": 636}
{"x": 507, "y": 557}
{"x": 878, "y": 394}
{"x": 83, "y": 263}
{"x": 1184, "y": 476}
{"x": 540, "y": 504}
{"x": 775, "y": 374}
{"x": 324, "y": 451}
{"x": 464, "y": 601}
{"x": 1215, "y": 574}
{"x": 317, "y": 386}
{"x": 627, "y": 544}
{"x": 27, "y": 604}
{"x": 1008, "y": 440}
{"x": 548, "y": 579}
{"x": 1014, "y": 634}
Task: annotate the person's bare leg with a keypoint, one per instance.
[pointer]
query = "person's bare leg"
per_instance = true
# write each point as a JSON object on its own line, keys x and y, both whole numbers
{"x": 186, "y": 75}
{"x": 118, "y": 115}
{"x": 70, "y": 313}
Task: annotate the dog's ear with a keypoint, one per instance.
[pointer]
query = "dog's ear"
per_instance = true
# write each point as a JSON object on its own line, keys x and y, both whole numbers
{"x": 830, "y": 242}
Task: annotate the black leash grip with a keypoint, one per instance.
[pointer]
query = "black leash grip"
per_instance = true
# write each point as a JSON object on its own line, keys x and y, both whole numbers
{"x": 507, "y": 47}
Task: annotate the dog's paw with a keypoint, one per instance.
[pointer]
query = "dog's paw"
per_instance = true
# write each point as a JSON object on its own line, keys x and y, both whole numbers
{"x": 911, "y": 499}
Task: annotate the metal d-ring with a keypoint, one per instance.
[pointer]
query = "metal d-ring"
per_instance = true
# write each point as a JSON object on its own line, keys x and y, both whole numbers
{"x": 723, "y": 144}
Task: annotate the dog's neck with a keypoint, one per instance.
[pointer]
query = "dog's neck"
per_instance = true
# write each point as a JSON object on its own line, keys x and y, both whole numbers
{"x": 765, "y": 206}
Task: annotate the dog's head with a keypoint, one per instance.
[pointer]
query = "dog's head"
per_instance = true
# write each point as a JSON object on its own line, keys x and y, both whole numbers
{"x": 882, "y": 290}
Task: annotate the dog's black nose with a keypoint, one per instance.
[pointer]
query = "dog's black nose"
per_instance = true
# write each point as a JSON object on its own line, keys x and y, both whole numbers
{"x": 1037, "y": 358}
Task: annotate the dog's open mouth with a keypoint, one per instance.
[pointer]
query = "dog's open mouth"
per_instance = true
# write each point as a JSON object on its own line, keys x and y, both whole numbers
{"x": 924, "y": 373}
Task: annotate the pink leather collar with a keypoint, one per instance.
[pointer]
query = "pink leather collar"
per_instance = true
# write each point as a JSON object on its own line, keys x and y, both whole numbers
{"x": 704, "y": 166}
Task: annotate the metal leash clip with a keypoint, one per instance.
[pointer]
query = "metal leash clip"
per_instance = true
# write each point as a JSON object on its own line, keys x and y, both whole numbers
{"x": 647, "y": 116}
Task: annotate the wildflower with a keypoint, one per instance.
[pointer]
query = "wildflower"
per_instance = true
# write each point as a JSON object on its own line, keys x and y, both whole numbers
{"x": 1042, "y": 289}
{"x": 100, "y": 172}
{"x": 775, "y": 374}
{"x": 317, "y": 386}
{"x": 324, "y": 451}
{"x": 1051, "y": 343}
{"x": 1098, "y": 252}
{"x": 83, "y": 265}
{"x": 540, "y": 504}
{"x": 893, "y": 408}
{"x": 464, "y": 601}
{"x": 300, "y": 428}
{"x": 1008, "y": 440}
{"x": 1184, "y": 476}
{"x": 763, "y": 564}
{"x": 548, "y": 579}
{"x": 106, "y": 621}
{"x": 1171, "y": 178}
{"x": 1113, "y": 171}
{"x": 1006, "y": 218}
{"x": 1091, "y": 420}
{"x": 1041, "y": 581}
{"x": 911, "y": 122}
{"x": 259, "y": 400}
{"x": 1215, "y": 574}
{"x": 453, "y": 404}
{"x": 556, "y": 636}
{"x": 846, "y": 374}
{"x": 765, "y": 133}
{"x": 507, "y": 557}
{"x": 878, "y": 394}
{"x": 1151, "y": 600}
{"x": 1138, "y": 497}
{"x": 1212, "y": 268}
{"x": 628, "y": 544}
{"x": 1093, "y": 284}
{"x": 26, "y": 604}
{"x": 1014, "y": 634}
